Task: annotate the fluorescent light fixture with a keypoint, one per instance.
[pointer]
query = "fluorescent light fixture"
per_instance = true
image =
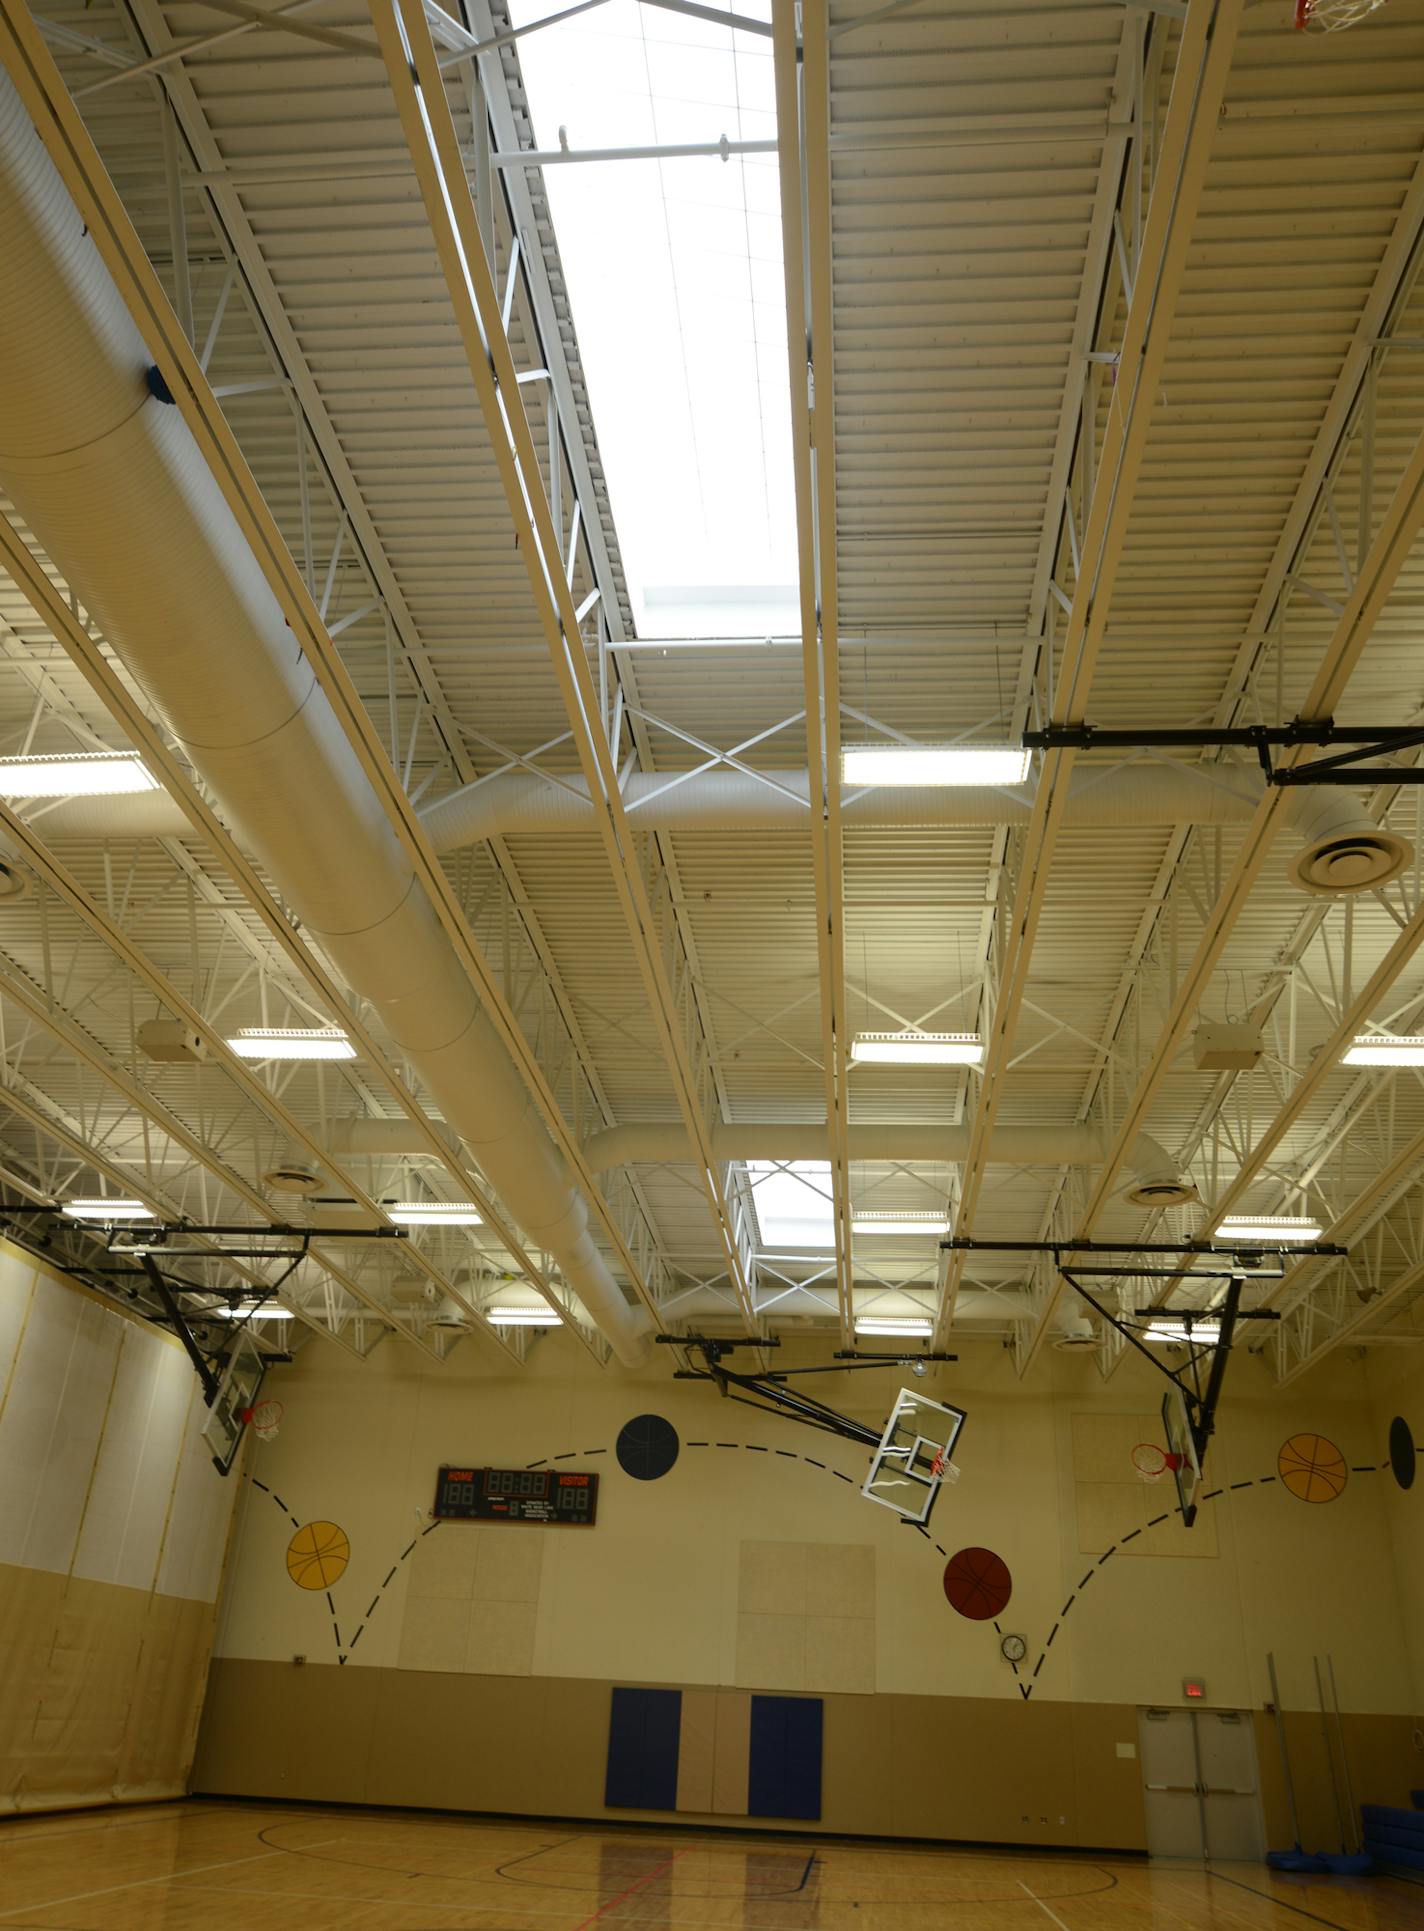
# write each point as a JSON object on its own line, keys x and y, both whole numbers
{"x": 1385, "y": 1049}
{"x": 1179, "y": 1331}
{"x": 523, "y": 1317}
{"x": 935, "y": 764}
{"x": 436, "y": 1213}
{"x": 111, "y": 1209}
{"x": 914, "y": 1221}
{"x": 269, "y": 1312}
{"x": 909, "y": 1328}
{"x": 292, "y": 1042}
{"x": 917, "y": 1049}
{"x": 1273, "y": 1229}
{"x": 793, "y": 1203}
{"x": 93, "y": 774}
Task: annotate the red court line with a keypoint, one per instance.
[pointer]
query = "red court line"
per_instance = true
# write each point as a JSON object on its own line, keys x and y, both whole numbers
{"x": 636, "y": 1885}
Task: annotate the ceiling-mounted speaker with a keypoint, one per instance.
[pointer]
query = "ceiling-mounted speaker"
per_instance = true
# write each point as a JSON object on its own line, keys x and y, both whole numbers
{"x": 171, "y": 1042}
{"x": 1344, "y": 850}
{"x": 1219, "y": 1047}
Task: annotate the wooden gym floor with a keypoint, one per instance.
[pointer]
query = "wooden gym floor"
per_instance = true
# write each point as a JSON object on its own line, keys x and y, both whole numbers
{"x": 228, "y": 1867}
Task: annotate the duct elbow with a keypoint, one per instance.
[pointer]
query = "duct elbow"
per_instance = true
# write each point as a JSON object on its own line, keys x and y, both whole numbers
{"x": 1343, "y": 849}
{"x": 1158, "y": 1179}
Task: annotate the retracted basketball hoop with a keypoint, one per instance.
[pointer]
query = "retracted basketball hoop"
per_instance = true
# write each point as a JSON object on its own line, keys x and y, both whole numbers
{"x": 1152, "y": 1462}
{"x": 264, "y": 1420}
{"x": 1330, "y": 16}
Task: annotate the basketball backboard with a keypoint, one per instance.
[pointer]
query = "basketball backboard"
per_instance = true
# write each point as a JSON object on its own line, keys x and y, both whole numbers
{"x": 1181, "y": 1452}
{"x": 912, "y": 1460}
{"x": 236, "y": 1395}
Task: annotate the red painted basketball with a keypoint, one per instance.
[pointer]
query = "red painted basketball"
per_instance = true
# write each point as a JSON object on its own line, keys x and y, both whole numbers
{"x": 978, "y": 1584}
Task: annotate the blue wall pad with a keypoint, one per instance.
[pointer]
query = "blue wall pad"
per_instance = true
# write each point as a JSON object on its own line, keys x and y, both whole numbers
{"x": 643, "y": 1730}
{"x": 785, "y": 1768}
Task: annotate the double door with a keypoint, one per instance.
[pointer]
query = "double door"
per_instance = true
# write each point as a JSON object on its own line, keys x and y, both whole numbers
{"x": 1199, "y": 1783}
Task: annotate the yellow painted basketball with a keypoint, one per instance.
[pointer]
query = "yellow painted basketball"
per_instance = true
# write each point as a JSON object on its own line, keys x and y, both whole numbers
{"x": 317, "y": 1555}
{"x": 1312, "y": 1468}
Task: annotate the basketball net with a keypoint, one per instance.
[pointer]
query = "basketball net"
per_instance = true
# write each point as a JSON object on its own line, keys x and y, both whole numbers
{"x": 1330, "y": 16}
{"x": 264, "y": 1420}
{"x": 1152, "y": 1462}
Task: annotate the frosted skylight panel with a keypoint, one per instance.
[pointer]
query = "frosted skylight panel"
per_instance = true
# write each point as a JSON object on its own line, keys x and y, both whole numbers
{"x": 793, "y": 1203}
{"x": 674, "y": 273}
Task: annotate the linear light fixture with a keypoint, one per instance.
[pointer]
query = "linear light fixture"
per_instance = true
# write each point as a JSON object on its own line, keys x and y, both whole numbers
{"x": 910, "y": 1328}
{"x": 113, "y": 1208}
{"x": 523, "y": 1317}
{"x": 917, "y": 1049}
{"x": 436, "y": 1213}
{"x": 267, "y": 1312}
{"x": 935, "y": 764}
{"x": 1274, "y": 1229}
{"x": 1385, "y": 1049}
{"x": 1179, "y": 1331}
{"x": 292, "y": 1042}
{"x": 930, "y": 1221}
{"x": 93, "y": 774}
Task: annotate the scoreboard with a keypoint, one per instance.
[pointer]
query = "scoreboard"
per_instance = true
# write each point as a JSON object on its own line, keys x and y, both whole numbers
{"x": 554, "y": 1496}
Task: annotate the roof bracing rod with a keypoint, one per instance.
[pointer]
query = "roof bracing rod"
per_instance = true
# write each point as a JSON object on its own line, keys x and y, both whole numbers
{"x": 413, "y": 69}
{"x": 1198, "y": 87}
{"x": 803, "y": 111}
{"x": 1402, "y": 521}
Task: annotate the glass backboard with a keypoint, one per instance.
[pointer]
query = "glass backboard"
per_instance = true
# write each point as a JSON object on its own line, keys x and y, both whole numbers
{"x": 913, "y": 1458}
{"x": 1182, "y": 1452}
{"x": 238, "y": 1386}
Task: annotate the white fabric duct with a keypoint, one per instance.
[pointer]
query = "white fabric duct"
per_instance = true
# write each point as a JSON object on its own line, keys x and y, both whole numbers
{"x": 517, "y": 805}
{"x": 654, "y": 1143}
{"x": 373, "y": 1139}
{"x": 729, "y": 800}
{"x": 114, "y": 488}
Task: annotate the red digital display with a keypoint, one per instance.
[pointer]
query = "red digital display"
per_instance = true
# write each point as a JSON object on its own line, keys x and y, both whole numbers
{"x": 1193, "y": 1688}
{"x": 559, "y": 1497}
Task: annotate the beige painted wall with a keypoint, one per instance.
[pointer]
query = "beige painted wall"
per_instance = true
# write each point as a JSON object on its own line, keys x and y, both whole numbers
{"x": 1396, "y": 1376}
{"x": 113, "y": 1525}
{"x": 656, "y": 1592}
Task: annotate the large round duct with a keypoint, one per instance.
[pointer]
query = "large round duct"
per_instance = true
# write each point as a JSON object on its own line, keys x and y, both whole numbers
{"x": 1344, "y": 850}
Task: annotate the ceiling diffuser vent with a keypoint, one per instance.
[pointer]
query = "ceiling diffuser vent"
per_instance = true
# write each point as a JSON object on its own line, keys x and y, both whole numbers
{"x": 290, "y": 1176}
{"x": 1173, "y": 1191}
{"x": 1078, "y": 1336}
{"x": 1344, "y": 849}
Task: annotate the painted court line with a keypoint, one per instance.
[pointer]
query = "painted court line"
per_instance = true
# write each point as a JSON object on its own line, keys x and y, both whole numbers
{"x": 1040, "y": 1903}
{"x": 634, "y": 1887}
{"x": 164, "y": 1877}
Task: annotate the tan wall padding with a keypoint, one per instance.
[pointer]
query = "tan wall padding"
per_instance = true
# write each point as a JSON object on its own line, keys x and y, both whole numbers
{"x": 696, "y": 1741}
{"x": 966, "y": 1768}
{"x": 101, "y": 1689}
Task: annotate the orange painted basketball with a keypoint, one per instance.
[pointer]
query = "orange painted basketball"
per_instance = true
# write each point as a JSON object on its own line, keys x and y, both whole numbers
{"x": 978, "y": 1584}
{"x": 1312, "y": 1468}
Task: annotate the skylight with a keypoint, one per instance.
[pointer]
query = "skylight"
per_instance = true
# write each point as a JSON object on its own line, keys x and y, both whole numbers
{"x": 793, "y": 1203}
{"x": 674, "y": 274}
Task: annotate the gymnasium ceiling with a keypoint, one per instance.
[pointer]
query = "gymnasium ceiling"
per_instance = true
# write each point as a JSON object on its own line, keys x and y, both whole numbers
{"x": 1111, "y": 411}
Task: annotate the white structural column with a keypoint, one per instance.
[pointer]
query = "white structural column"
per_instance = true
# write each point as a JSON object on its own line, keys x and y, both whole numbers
{"x": 1203, "y": 64}
{"x": 803, "y": 122}
{"x": 414, "y": 71}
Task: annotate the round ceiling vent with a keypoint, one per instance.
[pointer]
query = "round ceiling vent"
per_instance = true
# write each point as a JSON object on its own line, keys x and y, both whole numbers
{"x": 1078, "y": 1335}
{"x": 291, "y": 1177}
{"x": 1343, "y": 849}
{"x": 13, "y": 882}
{"x": 1162, "y": 1192}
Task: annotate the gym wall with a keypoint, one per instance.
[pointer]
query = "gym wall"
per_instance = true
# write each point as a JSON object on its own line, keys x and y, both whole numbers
{"x": 470, "y": 1666}
{"x": 113, "y": 1524}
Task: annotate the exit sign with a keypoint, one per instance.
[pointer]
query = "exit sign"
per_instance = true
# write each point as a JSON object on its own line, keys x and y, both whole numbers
{"x": 1194, "y": 1689}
